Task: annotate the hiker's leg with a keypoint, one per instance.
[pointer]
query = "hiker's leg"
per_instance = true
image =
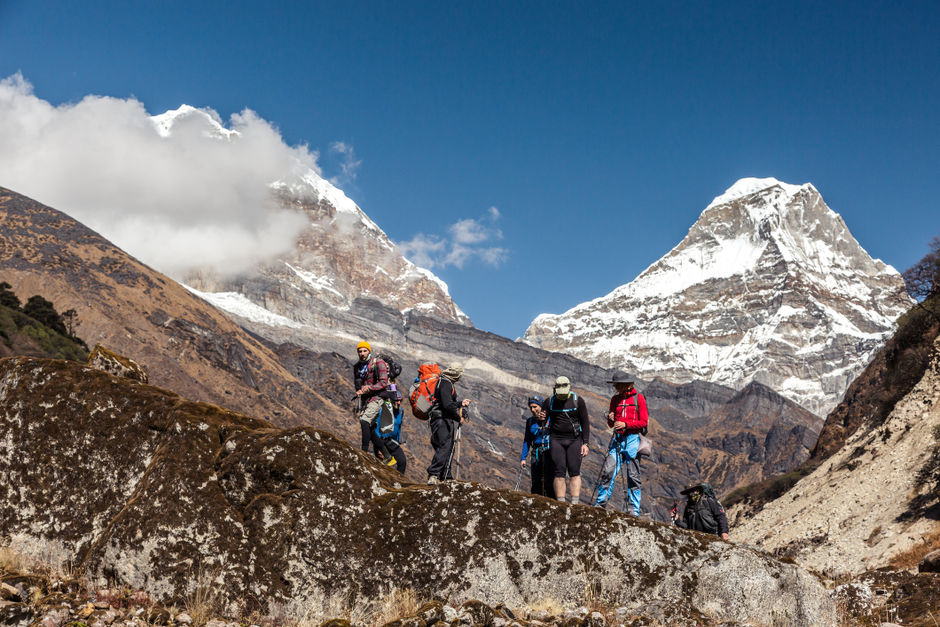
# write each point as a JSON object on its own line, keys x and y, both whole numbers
{"x": 631, "y": 464}
{"x": 605, "y": 483}
{"x": 535, "y": 470}
{"x": 398, "y": 453}
{"x": 541, "y": 476}
{"x": 548, "y": 475}
{"x": 367, "y": 420}
{"x": 381, "y": 446}
{"x": 558, "y": 455}
{"x": 573, "y": 455}
{"x": 442, "y": 439}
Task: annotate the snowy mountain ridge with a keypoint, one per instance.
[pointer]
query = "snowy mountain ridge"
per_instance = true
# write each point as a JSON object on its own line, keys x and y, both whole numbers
{"x": 768, "y": 285}
{"x": 342, "y": 255}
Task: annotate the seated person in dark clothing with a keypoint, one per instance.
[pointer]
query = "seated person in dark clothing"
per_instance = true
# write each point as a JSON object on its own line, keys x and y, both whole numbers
{"x": 703, "y": 512}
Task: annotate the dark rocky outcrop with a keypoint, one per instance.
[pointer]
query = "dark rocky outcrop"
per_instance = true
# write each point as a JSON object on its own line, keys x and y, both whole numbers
{"x": 155, "y": 492}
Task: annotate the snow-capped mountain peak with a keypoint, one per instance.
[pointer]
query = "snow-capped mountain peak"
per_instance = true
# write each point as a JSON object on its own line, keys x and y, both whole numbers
{"x": 768, "y": 285}
{"x": 165, "y": 122}
{"x": 747, "y": 186}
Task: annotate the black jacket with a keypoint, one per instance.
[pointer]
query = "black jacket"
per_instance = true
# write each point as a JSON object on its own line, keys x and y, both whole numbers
{"x": 706, "y": 515}
{"x": 447, "y": 402}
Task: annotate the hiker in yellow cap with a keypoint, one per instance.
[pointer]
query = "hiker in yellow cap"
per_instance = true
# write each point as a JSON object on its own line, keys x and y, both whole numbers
{"x": 370, "y": 377}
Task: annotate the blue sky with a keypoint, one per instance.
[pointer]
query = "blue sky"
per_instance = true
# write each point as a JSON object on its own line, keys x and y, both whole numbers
{"x": 599, "y": 131}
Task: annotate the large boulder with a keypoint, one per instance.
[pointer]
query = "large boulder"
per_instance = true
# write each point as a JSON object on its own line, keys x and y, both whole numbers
{"x": 144, "y": 488}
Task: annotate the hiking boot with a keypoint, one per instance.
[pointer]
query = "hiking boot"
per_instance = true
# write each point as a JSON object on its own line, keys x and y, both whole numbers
{"x": 433, "y": 480}
{"x": 390, "y": 461}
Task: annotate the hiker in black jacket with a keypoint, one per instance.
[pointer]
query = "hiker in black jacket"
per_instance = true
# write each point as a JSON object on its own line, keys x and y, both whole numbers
{"x": 445, "y": 418}
{"x": 703, "y": 512}
{"x": 569, "y": 432}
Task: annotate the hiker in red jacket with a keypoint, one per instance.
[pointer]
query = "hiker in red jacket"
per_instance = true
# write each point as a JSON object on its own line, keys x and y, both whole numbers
{"x": 628, "y": 417}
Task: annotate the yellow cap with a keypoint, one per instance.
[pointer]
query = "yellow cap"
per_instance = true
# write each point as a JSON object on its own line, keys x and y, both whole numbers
{"x": 364, "y": 344}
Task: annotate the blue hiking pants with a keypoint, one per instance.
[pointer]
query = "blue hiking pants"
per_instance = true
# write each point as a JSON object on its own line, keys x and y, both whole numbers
{"x": 621, "y": 456}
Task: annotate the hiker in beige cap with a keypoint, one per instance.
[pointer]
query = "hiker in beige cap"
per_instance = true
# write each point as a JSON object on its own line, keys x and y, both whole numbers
{"x": 569, "y": 433}
{"x": 445, "y": 418}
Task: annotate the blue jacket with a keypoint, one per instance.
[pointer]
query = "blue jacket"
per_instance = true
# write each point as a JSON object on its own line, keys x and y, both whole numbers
{"x": 536, "y": 436}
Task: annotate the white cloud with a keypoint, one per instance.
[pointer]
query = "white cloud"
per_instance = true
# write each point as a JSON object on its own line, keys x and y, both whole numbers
{"x": 467, "y": 239}
{"x": 195, "y": 194}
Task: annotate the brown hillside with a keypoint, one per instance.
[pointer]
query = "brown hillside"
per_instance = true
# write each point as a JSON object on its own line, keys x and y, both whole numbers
{"x": 186, "y": 345}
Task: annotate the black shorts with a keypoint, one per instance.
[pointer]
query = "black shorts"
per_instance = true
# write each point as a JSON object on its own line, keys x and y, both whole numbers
{"x": 566, "y": 456}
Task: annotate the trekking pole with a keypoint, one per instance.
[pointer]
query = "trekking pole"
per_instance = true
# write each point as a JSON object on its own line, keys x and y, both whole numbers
{"x": 458, "y": 452}
{"x": 453, "y": 447}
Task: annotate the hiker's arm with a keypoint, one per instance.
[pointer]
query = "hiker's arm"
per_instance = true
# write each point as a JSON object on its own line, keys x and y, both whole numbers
{"x": 641, "y": 408}
{"x": 525, "y": 443}
{"x": 585, "y": 425}
{"x": 719, "y": 512}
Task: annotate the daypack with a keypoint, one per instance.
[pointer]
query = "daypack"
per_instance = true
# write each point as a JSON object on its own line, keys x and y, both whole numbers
{"x": 423, "y": 392}
{"x": 632, "y": 422}
{"x": 385, "y": 424}
{"x": 394, "y": 368}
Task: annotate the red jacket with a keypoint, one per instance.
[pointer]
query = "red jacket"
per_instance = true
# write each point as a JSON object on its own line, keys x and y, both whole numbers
{"x": 629, "y": 408}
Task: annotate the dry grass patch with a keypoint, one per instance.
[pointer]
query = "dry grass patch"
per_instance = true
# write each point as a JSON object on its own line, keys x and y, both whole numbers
{"x": 203, "y": 603}
{"x": 395, "y": 605}
{"x": 908, "y": 560}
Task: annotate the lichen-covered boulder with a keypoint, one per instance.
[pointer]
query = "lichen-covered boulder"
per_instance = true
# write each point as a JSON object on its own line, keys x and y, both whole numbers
{"x": 145, "y": 488}
{"x": 108, "y": 361}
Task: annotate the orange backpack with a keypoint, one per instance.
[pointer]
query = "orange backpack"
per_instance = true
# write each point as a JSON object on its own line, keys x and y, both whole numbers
{"x": 422, "y": 392}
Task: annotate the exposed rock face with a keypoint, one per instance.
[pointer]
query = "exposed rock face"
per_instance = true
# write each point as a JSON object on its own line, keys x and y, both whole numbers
{"x": 768, "y": 286}
{"x": 342, "y": 254}
{"x": 877, "y": 495}
{"x": 148, "y": 490}
{"x": 108, "y": 361}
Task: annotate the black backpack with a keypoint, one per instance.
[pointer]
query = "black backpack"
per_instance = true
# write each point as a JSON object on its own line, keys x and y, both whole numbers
{"x": 394, "y": 368}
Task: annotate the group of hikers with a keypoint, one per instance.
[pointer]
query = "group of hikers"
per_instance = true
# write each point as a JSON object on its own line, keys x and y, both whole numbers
{"x": 555, "y": 440}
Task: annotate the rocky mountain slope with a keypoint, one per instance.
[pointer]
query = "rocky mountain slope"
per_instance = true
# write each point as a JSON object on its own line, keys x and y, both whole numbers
{"x": 341, "y": 255}
{"x": 768, "y": 286}
{"x": 293, "y": 373}
{"x": 151, "y": 491}
{"x": 875, "y": 490}
{"x": 187, "y": 345}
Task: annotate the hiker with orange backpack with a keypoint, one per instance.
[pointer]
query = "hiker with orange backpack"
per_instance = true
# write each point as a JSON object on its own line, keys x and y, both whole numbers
{"x": 628, "y": 416}
{"x": 445, "y": 418}
{"x": 370, "y": 377}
